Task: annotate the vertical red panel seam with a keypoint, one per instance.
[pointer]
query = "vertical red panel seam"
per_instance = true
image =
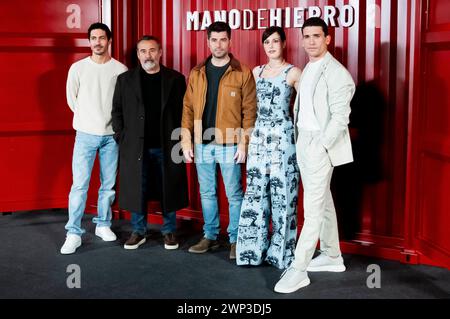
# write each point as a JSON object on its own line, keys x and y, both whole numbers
{"x": 406, "y": 103}
{"x": 345, "y": 42}
{"x": 100, "y": 5}
{"x": 194, "y": 57}
{"x": 397, "y": 151}
{"x": 377, "y": 40}
{"x": 140, "y": 7}
{"x": 170, "y": 32}
{"x": 362, "y": 40}
{"x": 412, "y": 160}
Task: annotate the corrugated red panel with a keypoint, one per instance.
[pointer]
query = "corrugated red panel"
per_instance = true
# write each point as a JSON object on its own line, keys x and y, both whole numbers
{"x": 374, "y": 49}
{"x": 38, "y": 43}
{"x": 393, "y": 198}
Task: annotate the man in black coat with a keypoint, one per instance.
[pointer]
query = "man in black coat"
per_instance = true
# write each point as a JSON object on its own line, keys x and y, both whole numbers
{"x": 146, "y": 116}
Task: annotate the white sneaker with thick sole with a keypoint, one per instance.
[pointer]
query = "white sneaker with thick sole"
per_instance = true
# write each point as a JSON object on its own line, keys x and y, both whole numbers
{"x": 105, "y": 233}
{"x": 292, "y": 280}
{"x": 71, "y": 244}
{"x": 325, "y": 263}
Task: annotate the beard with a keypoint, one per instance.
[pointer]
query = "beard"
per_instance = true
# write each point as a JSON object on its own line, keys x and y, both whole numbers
{"x": 219, "y": 54}
{"x": 148, "y": 65}
{"x": 99, "y": 50}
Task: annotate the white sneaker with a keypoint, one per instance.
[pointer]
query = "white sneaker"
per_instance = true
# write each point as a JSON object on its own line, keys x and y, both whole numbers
{"x": 325, "y": 263}
{"x": 105, "y": 233}
{"x": 71, "y": 244}
{"x": 291, "y": 280}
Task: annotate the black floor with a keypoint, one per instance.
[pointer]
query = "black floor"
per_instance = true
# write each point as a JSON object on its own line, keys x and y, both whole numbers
{"x": 32, "y": 267}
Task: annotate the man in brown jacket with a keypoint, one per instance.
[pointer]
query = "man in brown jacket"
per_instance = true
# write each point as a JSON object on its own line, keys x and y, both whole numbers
{"x": 220, "y": 111}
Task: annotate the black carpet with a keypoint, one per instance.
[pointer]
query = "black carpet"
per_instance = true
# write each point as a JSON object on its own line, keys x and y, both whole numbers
{"x": 32, "y": 267}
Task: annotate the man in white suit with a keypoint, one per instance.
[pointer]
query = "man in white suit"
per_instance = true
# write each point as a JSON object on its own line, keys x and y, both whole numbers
{"x": 321, "y": 117}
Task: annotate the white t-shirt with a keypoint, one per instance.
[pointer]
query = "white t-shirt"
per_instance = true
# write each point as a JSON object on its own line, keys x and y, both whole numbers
{"x": 89, "y": 90}
{"x": 306, "y": 118}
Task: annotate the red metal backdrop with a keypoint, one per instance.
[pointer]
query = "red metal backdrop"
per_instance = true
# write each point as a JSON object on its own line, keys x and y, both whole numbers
{"x": 428, "y": 184}
{"x": 380, "y": 51}
{"x": 391, "y": 203}
{"x": 39, "y": 40}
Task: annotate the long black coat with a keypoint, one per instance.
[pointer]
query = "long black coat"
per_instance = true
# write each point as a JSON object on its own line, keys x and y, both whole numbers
{"x": 128, "y": 120}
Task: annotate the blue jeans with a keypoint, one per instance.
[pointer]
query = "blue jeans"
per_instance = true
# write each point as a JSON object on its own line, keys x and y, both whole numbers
{"x": 152, "y": 171}
{"x": 206, "y": 158}
{"x": 84, "y": 152}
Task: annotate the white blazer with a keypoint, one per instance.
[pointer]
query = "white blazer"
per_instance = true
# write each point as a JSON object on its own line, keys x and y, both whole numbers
{"x": 333, "y": 89}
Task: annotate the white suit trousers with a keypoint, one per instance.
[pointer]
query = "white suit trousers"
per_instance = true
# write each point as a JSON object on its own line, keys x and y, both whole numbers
{"x": 320, "y": 215}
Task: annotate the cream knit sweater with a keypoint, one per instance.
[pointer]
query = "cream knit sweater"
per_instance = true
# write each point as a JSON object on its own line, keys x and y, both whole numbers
{"x": 90, "y": 89}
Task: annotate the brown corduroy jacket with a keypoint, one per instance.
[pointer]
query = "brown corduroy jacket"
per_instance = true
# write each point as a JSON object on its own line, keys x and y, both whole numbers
{"x": 236, "y": 105}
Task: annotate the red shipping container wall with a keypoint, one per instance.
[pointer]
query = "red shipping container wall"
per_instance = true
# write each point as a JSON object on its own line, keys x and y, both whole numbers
{"x": 39, "y": 40}
{"x": 428, "y": 162}
{"x": 392, "y": 202}
{"x": 382, "y": 52}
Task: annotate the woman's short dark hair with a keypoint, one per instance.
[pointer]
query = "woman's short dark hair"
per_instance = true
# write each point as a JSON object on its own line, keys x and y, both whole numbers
{"x": 101, "y": 26}
{"x": 271, "y": 30}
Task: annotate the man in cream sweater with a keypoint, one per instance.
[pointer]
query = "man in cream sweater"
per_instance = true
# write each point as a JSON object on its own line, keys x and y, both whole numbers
{"x": 90, "y": 88}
